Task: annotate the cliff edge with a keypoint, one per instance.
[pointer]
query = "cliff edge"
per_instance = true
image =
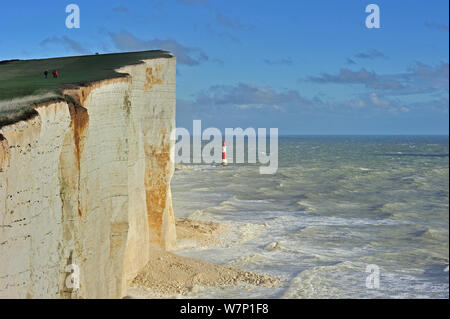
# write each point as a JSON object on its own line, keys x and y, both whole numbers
{"x": 85, "y": 184}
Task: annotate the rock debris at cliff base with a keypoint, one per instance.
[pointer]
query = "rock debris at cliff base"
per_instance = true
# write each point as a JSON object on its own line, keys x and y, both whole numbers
{"x": 168, "y": 274}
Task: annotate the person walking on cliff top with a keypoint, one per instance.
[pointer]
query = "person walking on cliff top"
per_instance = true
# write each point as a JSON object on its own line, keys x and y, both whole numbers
{"x": 46, "y": 74}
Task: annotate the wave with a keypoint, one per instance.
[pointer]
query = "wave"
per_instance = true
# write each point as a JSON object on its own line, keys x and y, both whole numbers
{"x": 413, "y": 154}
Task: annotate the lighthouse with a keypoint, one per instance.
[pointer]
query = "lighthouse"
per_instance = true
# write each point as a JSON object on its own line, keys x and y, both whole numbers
{"x": 224, "y": 154}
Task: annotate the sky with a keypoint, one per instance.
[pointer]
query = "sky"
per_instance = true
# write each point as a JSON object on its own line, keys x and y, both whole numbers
{"x": 302, "y": 66}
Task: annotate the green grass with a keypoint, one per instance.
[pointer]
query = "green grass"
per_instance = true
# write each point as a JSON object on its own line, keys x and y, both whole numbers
{"x": 21, "y": 78}
{"x": 19, "y": 114}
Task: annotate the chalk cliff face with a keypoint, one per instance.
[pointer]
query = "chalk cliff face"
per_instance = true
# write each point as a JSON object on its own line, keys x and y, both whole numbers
{"x": 87, "y": 183}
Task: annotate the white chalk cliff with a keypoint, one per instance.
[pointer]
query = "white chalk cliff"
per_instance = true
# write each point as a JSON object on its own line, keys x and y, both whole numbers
{"x": 87, "y": 183}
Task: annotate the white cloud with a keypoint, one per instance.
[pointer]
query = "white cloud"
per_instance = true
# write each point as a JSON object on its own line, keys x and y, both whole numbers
{"x": 126, "y": 41}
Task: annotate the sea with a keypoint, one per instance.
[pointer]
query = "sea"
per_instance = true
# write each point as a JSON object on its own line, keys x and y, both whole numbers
{"x": 343, "y": 217}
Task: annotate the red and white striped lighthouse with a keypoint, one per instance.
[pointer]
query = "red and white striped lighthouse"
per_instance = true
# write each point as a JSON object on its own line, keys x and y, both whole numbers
{"x": 224, "y": 154}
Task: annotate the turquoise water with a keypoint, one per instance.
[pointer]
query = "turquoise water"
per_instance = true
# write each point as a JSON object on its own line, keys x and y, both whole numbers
{"x": 335, "y": 205}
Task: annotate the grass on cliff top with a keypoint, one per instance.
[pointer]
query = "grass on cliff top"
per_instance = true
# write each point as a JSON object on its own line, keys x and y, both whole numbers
{"x": 22, "y": 82}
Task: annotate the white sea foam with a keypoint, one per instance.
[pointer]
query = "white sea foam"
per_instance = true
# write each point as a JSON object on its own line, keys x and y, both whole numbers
{"x": 328, "y": 220}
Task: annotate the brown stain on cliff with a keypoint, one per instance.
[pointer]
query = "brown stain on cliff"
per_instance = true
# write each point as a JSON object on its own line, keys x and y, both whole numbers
{"x": 156, "y": 186}
{"x": 153, "y": 76}
{"x": 4, "y": 152}
{"x": 81, "y": 92}
{"x": 48, "y": 103}
{"x": 79, "y": 122}
{"x": 80, "y": 119}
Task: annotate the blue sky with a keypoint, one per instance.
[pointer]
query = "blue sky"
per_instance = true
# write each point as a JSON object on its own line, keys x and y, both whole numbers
{"x": 304, "y": 66}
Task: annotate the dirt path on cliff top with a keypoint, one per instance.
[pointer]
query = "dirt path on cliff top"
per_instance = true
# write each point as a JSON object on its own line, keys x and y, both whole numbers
{"x": 168, "y": 274}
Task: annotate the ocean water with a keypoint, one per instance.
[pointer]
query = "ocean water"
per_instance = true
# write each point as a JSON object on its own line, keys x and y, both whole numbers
{"x": 335, "y": 206}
